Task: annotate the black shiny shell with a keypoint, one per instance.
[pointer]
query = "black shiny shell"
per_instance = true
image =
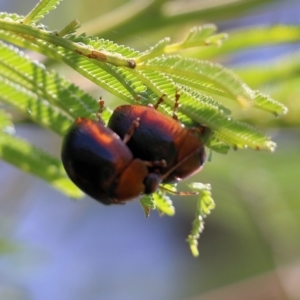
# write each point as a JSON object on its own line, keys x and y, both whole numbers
{"x": 157, "y": 138}
{"x": 93, "y": 157}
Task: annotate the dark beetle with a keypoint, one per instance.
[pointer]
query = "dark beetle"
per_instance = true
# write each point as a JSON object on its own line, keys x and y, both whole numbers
{"x": 101, "y": 165}
{"x": 159, "y": 137}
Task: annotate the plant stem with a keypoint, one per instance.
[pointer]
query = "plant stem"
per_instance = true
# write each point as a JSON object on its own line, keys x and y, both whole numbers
{"x": 32, "y": 33}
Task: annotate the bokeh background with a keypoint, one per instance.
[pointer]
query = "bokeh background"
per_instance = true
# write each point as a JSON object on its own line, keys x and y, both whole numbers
{"x": 52, "y": 247}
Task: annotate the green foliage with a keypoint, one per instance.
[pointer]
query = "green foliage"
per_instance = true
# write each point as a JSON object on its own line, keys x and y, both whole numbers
{"x": 31, "y": 159}
{"x": 197, "y": 37}
{"x": 52, "y": 101}
{"x": 38, "y": 93}
{"x": 205, "y": 204}
{"x": 265, "y": 102}
{"x": 159, "y": 201}
{"x": 253, "y": 37}
{"x": 41, "y": 9}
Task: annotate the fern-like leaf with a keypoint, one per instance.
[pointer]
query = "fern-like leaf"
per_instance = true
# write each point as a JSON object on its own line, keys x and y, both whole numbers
{"x": 34, "y": 77}
{"x": 215, "y": 74}
{"x": 205, "y": 204}
{"x": 154, "y": 51}
{"x": 265, "y": 102}
{"x": 35, "y": 108}
{"x": 201, "y": 85}
{"x": 242, "y": 135}
{"x": 10, "y": 16}
{"x": 103, "y": 75}
{"x": 159, "y": 201}
{"x": 248, "y": 38}
{"x": 163, "y": 203}
{"x": 40, "y": 10}
{"x": 199, "y": 36}
{"x": 38, "y": 34}
{"x": 148, "y": 204}
{"x": 70, "y": 29}
{"x": 31, "y": 159}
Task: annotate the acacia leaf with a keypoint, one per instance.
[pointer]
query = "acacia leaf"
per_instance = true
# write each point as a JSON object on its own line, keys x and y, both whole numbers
{"x": 33, "y": 160}
{"x": 40, "y": 10}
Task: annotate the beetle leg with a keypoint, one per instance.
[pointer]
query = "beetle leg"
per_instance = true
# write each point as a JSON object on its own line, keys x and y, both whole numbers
{"x": 176, "y": 105}
{"x": 179, "y": 163}
{"x": 159, "y": 101}
{"x": 100, "y": 111}
{"x": 135, "y": 124}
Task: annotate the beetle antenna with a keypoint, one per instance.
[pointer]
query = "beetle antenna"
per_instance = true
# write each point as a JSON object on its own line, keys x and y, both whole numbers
{"x": 189, "y": 193}
{"x": 164, "y": 176}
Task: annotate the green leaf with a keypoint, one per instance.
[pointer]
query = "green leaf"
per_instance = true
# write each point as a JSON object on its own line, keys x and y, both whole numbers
{"x": 147, "y": 202}
{"x": 69, "y": 29}
{"x": 154, "y": 51}
{"x": 215, "y": 74}
{"x": 114, "y": 80}
{"x": 12, "y": 17}
{"x": 31, "y": 159}
{"x": 201, "y": 85}
{"x": 265, "y": 102}
{"x": 205, "y": 204}
{"x": 50, "y": 86}
{"x": 102, "y": 74}
{"x": 247, "y": 38}
{"x": 199, "y": 36}
{"x": 242, "y": 135}
{"x": 38, "y": 34}
{"x": 159, "y": 201}
{"x": 35, "y": 108}
{"x": 40, "y": 10}
{"x": 163, "y": 203}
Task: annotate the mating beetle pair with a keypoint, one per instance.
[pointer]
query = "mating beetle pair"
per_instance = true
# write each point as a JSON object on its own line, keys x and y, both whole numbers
{"x": 138, "y": 150}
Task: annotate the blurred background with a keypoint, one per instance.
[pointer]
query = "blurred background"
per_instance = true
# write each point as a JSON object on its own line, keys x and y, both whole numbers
{"x": 52, "y": 247}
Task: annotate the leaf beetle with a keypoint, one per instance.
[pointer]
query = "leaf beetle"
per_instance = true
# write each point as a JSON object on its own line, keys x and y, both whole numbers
{"x": 159, "y": 137}
{"x": 99, "y": 162}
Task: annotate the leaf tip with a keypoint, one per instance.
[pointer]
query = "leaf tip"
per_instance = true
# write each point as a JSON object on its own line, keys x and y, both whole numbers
{"x": 192, "y": 241}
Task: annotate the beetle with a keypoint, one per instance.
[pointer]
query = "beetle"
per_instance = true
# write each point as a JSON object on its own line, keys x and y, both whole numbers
{"x": 99, "y": 162}
{"x": 159, "y": 137}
